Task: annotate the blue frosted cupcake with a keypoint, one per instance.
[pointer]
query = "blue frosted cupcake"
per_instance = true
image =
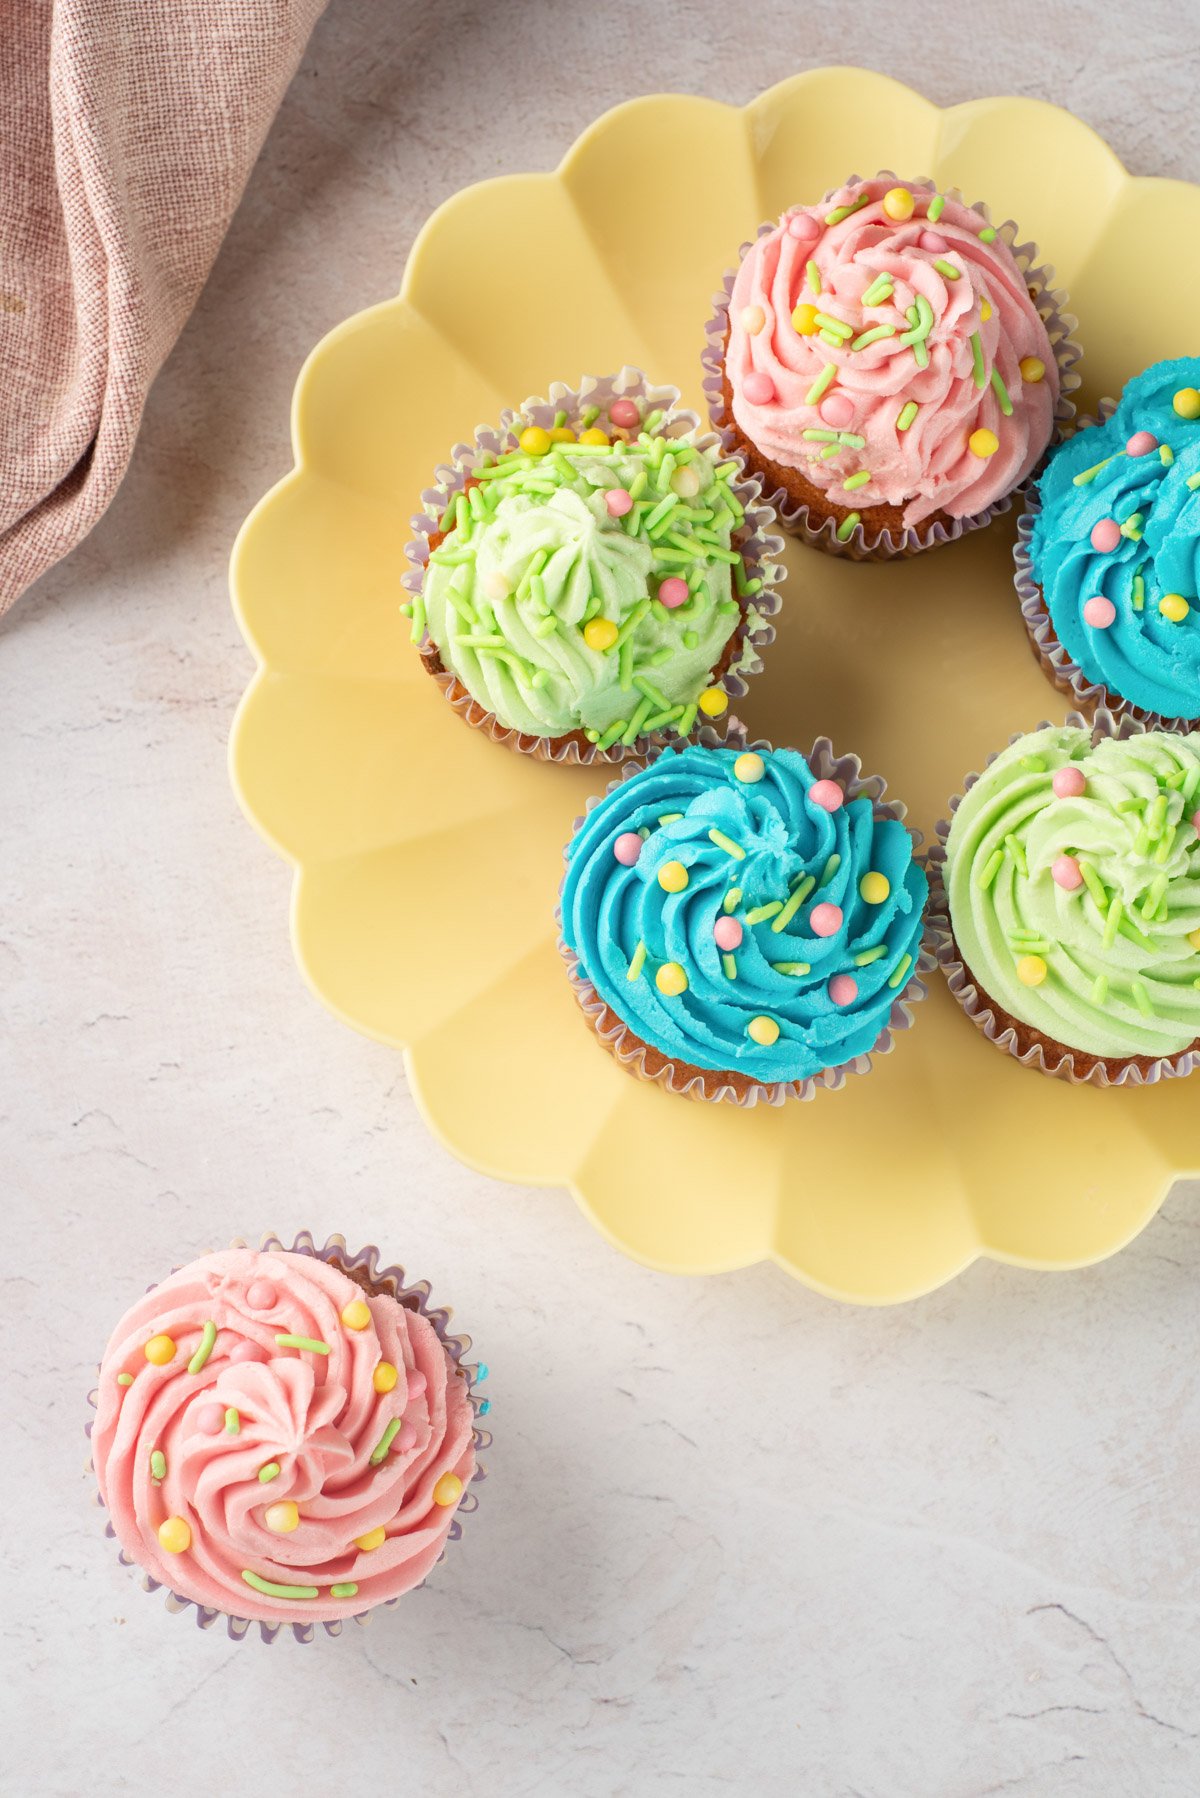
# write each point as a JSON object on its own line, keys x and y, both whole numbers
{"x": 1108, "y": 554}
{"x": 744, "y": 924}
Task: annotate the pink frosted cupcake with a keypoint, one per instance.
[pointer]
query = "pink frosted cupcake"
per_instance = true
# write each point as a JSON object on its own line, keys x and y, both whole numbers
{"x": 285, "y": 1436}
{"x": 891, "y": 365}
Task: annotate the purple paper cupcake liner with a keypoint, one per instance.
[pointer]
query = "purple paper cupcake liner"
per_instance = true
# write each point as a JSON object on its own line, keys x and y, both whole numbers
{"x": 961, "y": 981}
{"x": 414, "y": 1297}
{"x": 759, "y": 547}
{"x": 884, "y": 545}
{"x": 629, "y": 1049}
{"x": 1059, "y": 666}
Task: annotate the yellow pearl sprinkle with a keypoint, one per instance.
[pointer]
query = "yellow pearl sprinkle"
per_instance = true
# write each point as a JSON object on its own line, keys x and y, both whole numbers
{"x": 1174, "y": 606}
{"x": 159, "y": 1350}
{"x": 874, "y": 888}
{"x": 898, "y": 204}
{"x": 983, "y": 442}
{"x": 1033, "y": 370}
{"x": 356, "y": 1315}
{"x": 283, "y": 1518}
{"x": 714, "y": 702}
{"x": 384, "y": 1377}
{"x": 599, "y": 633}
{"x": 561, "y": 434}
{"x": 671, "y": 980}
{"x": 749, "y": 768}
{"x": 804, "y": 318}
{"x": 672, "y": 877}
{"x": 448, "y": 1490}
{"x": 1031, "y": 970}
{"x": 593, "y": 435}
{"x": 372, "y": 1540}
{"x": 985, "y": 311}
{"x": 174, "y": 1536}
{"x": 1194, "y": 940}
{"x": 1187, "y": 402}
{"x": 763, "y": 1030}
{"x": 534, "y": 440}
{"x": 753, "y": 318}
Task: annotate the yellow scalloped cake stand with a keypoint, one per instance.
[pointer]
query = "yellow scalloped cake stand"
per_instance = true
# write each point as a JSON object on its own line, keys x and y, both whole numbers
{"x": 427, "y": 860}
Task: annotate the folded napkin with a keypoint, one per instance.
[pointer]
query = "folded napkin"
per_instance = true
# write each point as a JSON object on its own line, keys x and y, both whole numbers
{"x": 128, "y": 128}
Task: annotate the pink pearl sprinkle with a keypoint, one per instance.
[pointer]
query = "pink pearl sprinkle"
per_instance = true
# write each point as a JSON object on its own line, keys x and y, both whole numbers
{"x": 261, "y": 1296}
{"x": 1141, "y": 443}
{"x": 843, "y": 989}
{"x": 1106, "y": 534}
{"x": 934, "y": 242}
{"x": 1099, "y": 612}
{"x": 406, "y": 1437}
{"x": 825, "y": 919}
{"x": 1069, "y": 783}
{"x": 758, "y": 388}
{"x": 416, "y": 1384}
{"x": 619, "y": 501}
{"x": 1196, "y": 823}
{"x": 628, "y": 847}
{"x": 1066, "y": 873}
{"x": 625, "y": 414}
{"x": 803, "y": 227}
{"x": 827, "y": 794}
{"x": 210, "y": 1419}
{"x": 837, "y": 410}
{"x": 727, "y": 933}
{"x": 247, "y": 1351}
{"x": 673, "y": 591}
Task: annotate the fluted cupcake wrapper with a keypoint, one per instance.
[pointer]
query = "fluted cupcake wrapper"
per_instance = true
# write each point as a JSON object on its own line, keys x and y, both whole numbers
{"x": 704, "y": 1085}
{"x": 1058, "y": 665}
{"x": 759, "y": 547}
{"x": 1058, "y": 1061}
{"x": 884, "y": 545}
{"x": 413, "y": 1297}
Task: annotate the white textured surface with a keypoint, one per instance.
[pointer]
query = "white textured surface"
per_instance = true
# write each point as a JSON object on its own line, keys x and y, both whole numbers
{"x": 736, "y": 1539}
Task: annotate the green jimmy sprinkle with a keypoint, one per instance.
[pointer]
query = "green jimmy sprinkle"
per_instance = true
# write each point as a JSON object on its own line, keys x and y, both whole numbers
{"x": 936, "y": 206}
{"x": 158, "y": 1465}
{"x": 303, "y": 1342}
{"x": 346, "y": 1589}
{"x": 269, "y": 1471}
{"x": 846, "y": 529}
{"x": 902, "y": 967}
{"x": 379, "y": 1452}
{"x": 843, "y": 212}
{"x": 124, "y": 1379}
{"x": 823, "y": 380}
{"x": 988, "y": 234}
{"x": 208, "y": 1337}
{"x": 271, "y": 1589}
{"x": 979, "y": 374}
{"x": 727, "y": 844}
{"x": 233, "y": 1422}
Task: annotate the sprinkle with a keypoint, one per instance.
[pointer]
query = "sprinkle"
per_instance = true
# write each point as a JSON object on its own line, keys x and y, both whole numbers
{"x": 1033, "y": 764}
{"x": 749, "y": 768}
{"x": 1017, "y": 851}
{"x": 448, "y": 1490}
{"x": 763, "y": 1030}
{"x": 1033, "y": 370}
{"x": 346, "y": 1589}
{"x": 1141, "y": 998}
{"x": 713, "y": 702}
{"x": 990, "y": 869}
{"x": 303, "y": 1342}
{"x": 379, "y": 1452}
{"x": 611, "y": 734}
{"x": 902, "y": 967}
{"x": 873, "y": 336}
{"x": 671, "y": 980}
{"x": 672, "y": 877}
{"x": 1100, "y": 989}
{"x": 1115, "y": 912}
{"x": 879, "y": 290}
{"x": 761, "y": 913}
{"x": 830, "y": 869}
{"x": 1132, "y": 527}
{"x": 638, "y": 722}
{"x": 124, "y": 1379}
{"x": 804, "y": 318}
{"x": 843, "y": 212}
{"x": 857, "y": 480}
{"x": 1193, "y": 481}
{"x": 272, "y": 1589}
{"x": 208, "y": 1337}
{"x": 159, "y": 1350}
{"x": 1186, "y": 402}
{"x": 847, "y": 525}
{"x": 791, "y": 967}
{"x": 935, "y": 208}
{"x": 988, "y": 234}
{"x": 732, "y": 899}
{"x": 793, "y": 906}
{"x": 835, "y": 339}
{"x": 174, "y": 1536}
{"x": 730, "y": 967}
{"x": 1174, "y": 606}
{"x": 980, "y": 372}
{"x": 158, "y": 1465}
{"x": 947, "y": 269}
{"x": 665, "y": 818}
{"x": 727, "y": 844}
{"x": 1031, "y": 970}
{"x": 907, "y": 414}
{"x": 233, "y": 1422}
{"x": 838, "y": 326}
{"x": 1139, "y": 592}
{"x": 867, "y": 956}
{"x": 822, "y": 381}
{"x": 1166, "y": 454}
{"x": 814, "y": 276}
{"x": 816, "y": 436}
{"x": 1094, "y": 884}
{"x": 638, "y": 962}
{"x": 851, "y": 441}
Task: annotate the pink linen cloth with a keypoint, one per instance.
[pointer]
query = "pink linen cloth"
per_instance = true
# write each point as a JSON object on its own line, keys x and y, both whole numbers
{"x": 128, "y": 129}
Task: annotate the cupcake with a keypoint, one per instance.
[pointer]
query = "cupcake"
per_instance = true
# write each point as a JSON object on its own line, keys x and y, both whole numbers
{"x": 742, "y": 924}
{"x": 595, "y": 576}
{"x": 284, "y": 1436}
{"x": 1108, "y": 555}
{"x": 891, "y": 365}
{"x": 1066, "y": 901}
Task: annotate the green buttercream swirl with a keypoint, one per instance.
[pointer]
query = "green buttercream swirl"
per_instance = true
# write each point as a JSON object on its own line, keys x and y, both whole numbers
{"x": 1122, "y": 950}
{"x": 532, "y": 555}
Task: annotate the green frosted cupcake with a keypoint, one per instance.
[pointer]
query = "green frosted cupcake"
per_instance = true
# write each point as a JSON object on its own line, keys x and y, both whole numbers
{"x": 595, "y": 577}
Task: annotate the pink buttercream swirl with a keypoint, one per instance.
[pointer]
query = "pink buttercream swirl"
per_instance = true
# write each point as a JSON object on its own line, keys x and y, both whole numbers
{"x": 928, "y": 466}
{"x": 316, "y": 1417}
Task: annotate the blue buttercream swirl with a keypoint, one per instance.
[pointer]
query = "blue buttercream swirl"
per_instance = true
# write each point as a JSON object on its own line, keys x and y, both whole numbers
{"x": 1143, "y": 656}
{"x": 789, "y": 842}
